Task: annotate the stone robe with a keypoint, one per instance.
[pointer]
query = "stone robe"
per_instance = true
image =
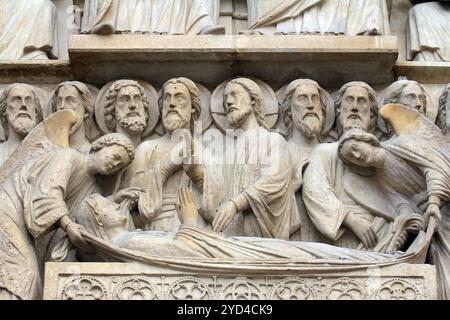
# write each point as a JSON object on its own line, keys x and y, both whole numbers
{"x": 102, "y": 220}
{"x": 328, "y": 203}
{"x": 6, "y": 150}
{"x": 189, "y": 17}
{"x": 151, "y": 16}
{"x": 33, "y": 200}
{"x": 428, "y": 36}
{"x": 158, "y": 206}
{"x": 300, "y": 160}
{"x": 28, "y": 30}
{"x": 263, "y": 176}
{"x": 346, "y": 17}
{"x": 432, "y": 157}
{"x": 122, "y": 15}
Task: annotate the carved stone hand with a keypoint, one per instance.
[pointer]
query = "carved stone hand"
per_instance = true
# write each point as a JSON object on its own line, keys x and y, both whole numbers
{"x": 132, "y": 194}
{"x": 73, "y": 231}
{"x": 187, "y": 211}
{"x": 362, "y": 229}
{"x": 225, "y": 214}
{"x": 433, "y": 211}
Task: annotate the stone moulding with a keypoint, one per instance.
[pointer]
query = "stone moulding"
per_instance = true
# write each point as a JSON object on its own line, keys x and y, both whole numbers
{"x": 424, "y": 72}
{"x": 45, "y": 72}
{"x": 120, "y": 281}
{"x": 210, "y": 59}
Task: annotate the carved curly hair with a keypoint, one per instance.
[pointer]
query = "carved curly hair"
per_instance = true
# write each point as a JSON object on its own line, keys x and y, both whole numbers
{"x": 111, "y": 96}
{"x": 441, "y": 120}
{"x": 114, "y": 139}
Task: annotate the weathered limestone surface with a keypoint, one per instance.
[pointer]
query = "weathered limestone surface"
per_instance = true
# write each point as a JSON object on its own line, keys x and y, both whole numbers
{"x": 115, "y": 281}
{"x": 226, "y": 149}
{"x": 214, "y": 58}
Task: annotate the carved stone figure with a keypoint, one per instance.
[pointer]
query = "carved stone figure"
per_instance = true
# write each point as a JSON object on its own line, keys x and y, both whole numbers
{"x": 127, "y": 109}
{"x": 42, "y": 196}
{"x": 28, "y": 30}
{"x": 149, "y": 16}
{"x": 249, "y": 191}
{"x": 20, "y": 112}
{"x": 390, "y": 188}
{"x": 442, "y": 120}
{"x": 76, "y": 96}
{"x": 427, "y": 35}
{"x": 332, "y": 211}
{"x": 409, "y": 93}
{"x": 110, "y": 231}
{"x": 421, "y": 143}
{"x": 326, "y": 17}
{"x": 154, "y": 170}
{"x": 305, "y": 110}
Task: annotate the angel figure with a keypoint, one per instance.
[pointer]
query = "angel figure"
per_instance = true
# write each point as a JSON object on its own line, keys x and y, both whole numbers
{"x": 39, "y": 193}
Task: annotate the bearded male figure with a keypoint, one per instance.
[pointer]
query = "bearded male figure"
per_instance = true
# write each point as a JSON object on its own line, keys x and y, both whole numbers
{"x": 127, "y": 109}
{"x": 155, "y": 170}
{"x": 332, "y": 211}
{"x": 20, "y": 112}
{"x": 250, "y": 191}
{"x": 305, "y": 109}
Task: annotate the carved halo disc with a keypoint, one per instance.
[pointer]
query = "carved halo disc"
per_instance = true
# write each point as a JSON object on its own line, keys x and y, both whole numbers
{"x": 269, "y": 105}
{"x": 152, "y": 96}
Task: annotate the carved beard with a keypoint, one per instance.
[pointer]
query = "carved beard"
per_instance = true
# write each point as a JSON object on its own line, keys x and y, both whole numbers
{"x": 237, "y": 117}
{"x": 134, "y": 124}
{"x": 310, "y": 127}
{"x": 353, "y": 124}
{"x": 174, "y": 121}
{"x": 22, "y": 125}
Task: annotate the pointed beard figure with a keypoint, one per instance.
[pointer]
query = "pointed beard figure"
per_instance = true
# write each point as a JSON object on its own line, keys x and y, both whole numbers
{"x": 237, "y": 117}
{"x": 23, "y": 124}
{"x": 174, "y": 120}
{"x": 310, "y": 126}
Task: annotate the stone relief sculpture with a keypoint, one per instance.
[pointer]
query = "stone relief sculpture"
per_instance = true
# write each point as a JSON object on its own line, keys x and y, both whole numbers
{"x": 427, "y": 34}
{"x": 306, "y": 114}
{"x": 305, "y": 109}
{"x": 128, "y": 107}
{"x": 155, "y": 170}
{"x": 442, "y": 120}
{"x": 421, "y": 143}
{"x": 249, "y": 191}
{"x": 28, "y": 30}
{"x": 20, "y": 112}
{"x": 409, "y": 93}
{"x": 182, "y": 17}
{"x": 42, "y": 195}
{"x": 322, "y": 17}
{"x": 107, "y": 221}
{"x": 76, "y": 96}
{"x": 331, "y": 210}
